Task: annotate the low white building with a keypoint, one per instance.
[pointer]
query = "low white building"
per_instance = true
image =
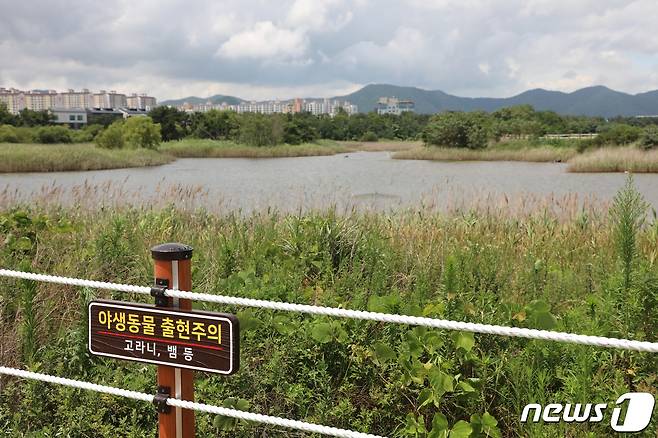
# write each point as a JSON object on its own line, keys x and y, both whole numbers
{"x": 74, "y": 117}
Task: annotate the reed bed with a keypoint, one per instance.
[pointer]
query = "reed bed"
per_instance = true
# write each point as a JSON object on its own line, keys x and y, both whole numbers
{"x": 534, "y": 154}
{"x": 445, "y": 199}
{"x": 516, "y": 262}
{"x": 381, "y": 145}
{"x": 616, "y": 159}
{"x": 70, "y": 157}
{"x": 197, "y": 148}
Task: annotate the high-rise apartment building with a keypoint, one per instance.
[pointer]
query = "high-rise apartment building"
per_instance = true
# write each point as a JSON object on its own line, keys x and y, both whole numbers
{"x": 41, "y": 100}
{"x": 73, "y": 99}
{"x": 111, "y": 99}
{"x": 141, "y": 101}
{"x": 14, "y": 99}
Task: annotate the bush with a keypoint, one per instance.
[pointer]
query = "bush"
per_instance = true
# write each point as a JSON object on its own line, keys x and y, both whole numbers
{"x": 649, "y": 138}
{"x": 369, "y": 136}
{"x": 86, "y": 134}
{"x": 455, "y": 130}
{"x": 618, "y": 134}
{"x": 8, "y": 134}
{"x": 141, "y": 132}
{"x": 53, "y": 134}
{"x": 260, "y": 130}
{"x": 112, "y": 137}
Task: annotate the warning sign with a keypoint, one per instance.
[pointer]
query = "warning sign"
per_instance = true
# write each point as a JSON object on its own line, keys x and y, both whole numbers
{"x": 202, "y": 341}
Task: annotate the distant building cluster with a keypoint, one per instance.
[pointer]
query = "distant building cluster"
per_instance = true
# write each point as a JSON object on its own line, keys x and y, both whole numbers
{"x": 393, "y": 105}
{"x": 317, "y": 107}
{"x": 41, "y": 100}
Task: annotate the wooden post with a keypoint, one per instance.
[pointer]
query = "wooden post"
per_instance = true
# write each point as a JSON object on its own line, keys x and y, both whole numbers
{"x": 173, "y": 269}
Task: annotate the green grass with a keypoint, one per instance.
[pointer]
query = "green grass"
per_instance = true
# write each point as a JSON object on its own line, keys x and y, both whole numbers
{"x": 574, "y": 272}
{"x": 65, "y": 157}
{"x": 616, "y": 159}
{"x": 532, "y": 150}
{"x": 534, "y": 154}
{"x": 198, "y": 148}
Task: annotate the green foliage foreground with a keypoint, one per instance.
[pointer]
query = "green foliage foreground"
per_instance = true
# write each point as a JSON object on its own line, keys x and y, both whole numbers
{"x": 594, "y": 273}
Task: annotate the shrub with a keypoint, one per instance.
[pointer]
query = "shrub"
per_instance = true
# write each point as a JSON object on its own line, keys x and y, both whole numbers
{"x": 112, "y": 137}
{"x": 369, "y": 136}
{"x": 86, "y": 134}
{"x": 260, "y": 130}
{"x": 456, "y": 130}
{"x": 8, "y": 134}
{"x": 649, "y": 138}
{"x": 141, "y": 132}
{"x": 53, "y": 134}
{"x": 618, "y": 134}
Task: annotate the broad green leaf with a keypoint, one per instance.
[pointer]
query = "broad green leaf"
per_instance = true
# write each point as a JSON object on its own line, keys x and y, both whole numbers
{"x": 485, "y": 425}
{"x": 415, "y": 426}
{"x": 440, "y": 381}
{"x": 464, "y": 340}
{"x": 439, "y": 426}
{"x": 544, "y": 320}
{"x": 461, "y": 429}
{"x": 413, "y": 344}
{"x": 248, "y": 321}
{"x": 425, "y": 397}
{"x": 24, "y": 243}
{"x": 242, "y": 405}
{"x": 538, "y": 306}
{"x": 283, "y": 325}
{"x": 465, "y": 386}
{"x": 322, "y": 332}
{"x": 384, "y": 353}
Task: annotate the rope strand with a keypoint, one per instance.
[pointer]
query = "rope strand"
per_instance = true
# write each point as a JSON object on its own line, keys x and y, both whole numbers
{"x": 226, "y": 412}
{"x": 598, "y": 341}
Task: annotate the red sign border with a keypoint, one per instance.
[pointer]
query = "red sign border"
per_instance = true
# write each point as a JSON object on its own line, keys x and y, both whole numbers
{"x": 226, "y": 317}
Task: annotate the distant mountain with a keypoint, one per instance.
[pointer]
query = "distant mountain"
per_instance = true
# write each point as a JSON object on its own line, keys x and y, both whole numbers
{"x": 590, "y": 101}
{"x": 216, "y": 99}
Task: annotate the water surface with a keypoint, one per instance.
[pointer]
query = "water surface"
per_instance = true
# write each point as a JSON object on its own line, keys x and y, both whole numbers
{"x": 359, "y": 179}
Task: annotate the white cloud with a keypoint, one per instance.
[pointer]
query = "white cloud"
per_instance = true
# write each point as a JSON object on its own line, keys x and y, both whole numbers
{"x": 254, "y": 47}
{"x": 319, "y": 15}
{"x": 265, "y": 41}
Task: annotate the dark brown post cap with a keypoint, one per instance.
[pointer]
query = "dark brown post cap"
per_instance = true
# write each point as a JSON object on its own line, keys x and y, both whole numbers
{"x": 171, "y": 251}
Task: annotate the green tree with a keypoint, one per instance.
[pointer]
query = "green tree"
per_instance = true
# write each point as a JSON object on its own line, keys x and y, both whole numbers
{"x": 618, "y": 134}
{"x": 141, "y": 132}
{"x": 53, "y": 134}
{"x": 8, "y": 134}
{"x": 111, "y": 137}
{"x": 300, "y": 128}
{"x": 260, "y": 130}
{"x": 649, "y": 138}
{"x": 173, "y": 122}
{"x": 28, "y": 117}
{"x": 215, "y": 124}
{"x": 457, "y": 130}
{"x": 6, "y": 118}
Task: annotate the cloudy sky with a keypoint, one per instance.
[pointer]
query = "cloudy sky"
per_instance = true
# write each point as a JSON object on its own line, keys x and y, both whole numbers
{"x": 286, "y": 48}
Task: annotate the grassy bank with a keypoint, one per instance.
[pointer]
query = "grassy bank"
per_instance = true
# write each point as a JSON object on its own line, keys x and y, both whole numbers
{"x": 197, "y": 148}
{"x": 535, "y": 154}
{"x": 63, "y": 157}
{"x": 538, "y": 271}
{"x": 616, "y": 159}
{"x": 381, "y": 145}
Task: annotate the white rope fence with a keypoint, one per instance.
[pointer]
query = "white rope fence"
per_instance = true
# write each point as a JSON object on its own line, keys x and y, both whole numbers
{"x": 598, "y": 341}
{"x": 226, "y": 412}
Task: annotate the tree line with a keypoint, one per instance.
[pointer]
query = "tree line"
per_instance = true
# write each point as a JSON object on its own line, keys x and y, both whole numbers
{"x": 474, "y": 129}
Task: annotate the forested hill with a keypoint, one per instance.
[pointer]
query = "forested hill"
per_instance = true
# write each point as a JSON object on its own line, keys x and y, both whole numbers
{"x": 591, "y": 101}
